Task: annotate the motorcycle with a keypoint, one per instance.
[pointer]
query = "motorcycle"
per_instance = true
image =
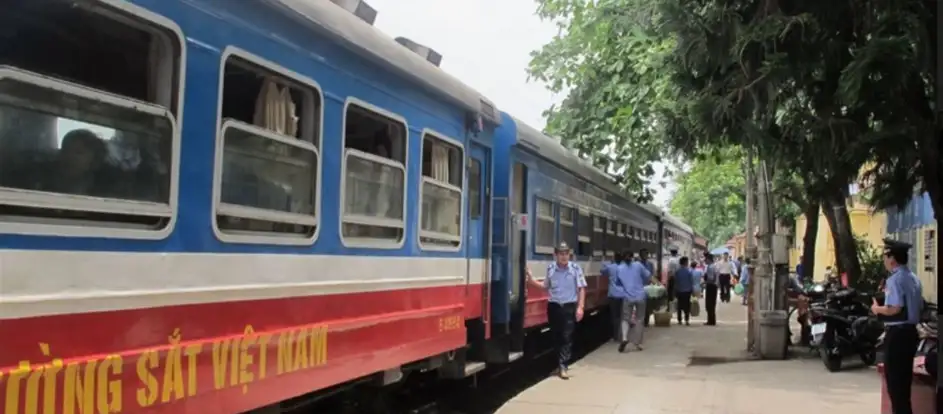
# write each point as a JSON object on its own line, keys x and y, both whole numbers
{"x": 928, "y": 347}
{"x": 843, "y": 325}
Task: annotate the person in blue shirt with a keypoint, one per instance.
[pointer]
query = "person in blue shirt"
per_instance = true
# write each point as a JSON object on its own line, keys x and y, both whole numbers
{"x": 684, "y": 288}
{"x": 903, "y": 302}
{"x": 616, "y": 294}
{"x": 644, "y": 261}
{"x": 566, "y": 285}
{"x": 631, "y": 279}
{"x": 799, "y": 271}
{"x": 745, "y": 280}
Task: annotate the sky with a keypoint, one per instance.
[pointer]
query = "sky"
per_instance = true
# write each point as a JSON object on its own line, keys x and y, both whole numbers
{"x": 486, "y": 44}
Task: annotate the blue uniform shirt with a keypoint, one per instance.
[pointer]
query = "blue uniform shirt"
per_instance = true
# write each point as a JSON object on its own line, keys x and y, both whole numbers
{"x": 745, "y": 275}
{"x": 632, "y": 279}
{"x": 684, "y": 280}
{"x": 563, "y": 283}
{"x": 710, "y": 275}
{"x": 611, "y": 270}
{"x": 903, "y": 289}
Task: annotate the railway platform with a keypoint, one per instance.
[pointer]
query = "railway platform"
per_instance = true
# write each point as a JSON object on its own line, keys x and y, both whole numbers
{"x": 699, "y": 369}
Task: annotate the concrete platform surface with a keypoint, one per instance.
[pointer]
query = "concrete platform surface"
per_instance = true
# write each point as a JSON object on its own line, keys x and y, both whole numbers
{"x": 697, "y": 368}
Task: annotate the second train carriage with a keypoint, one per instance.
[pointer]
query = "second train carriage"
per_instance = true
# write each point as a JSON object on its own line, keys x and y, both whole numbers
{"x": 543, "y": 195}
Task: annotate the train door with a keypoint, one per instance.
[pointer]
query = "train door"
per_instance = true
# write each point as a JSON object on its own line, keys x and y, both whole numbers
{"x": 518, "y": 236}
{"x": 479, "y": 234}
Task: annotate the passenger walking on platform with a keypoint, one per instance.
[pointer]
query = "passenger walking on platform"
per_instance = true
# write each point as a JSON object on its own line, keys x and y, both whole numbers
{"x": 566, "y": 285}
{"x": 710, "y": 289}
{"x": 901, "y": 313}
{"x": 616, "y": 293}
{"x": 673, "y": 265}
{"x": 684, "y": 288}
{"x": 643, "y": 259}
{"x": 745, "y": 280}
{"x": 725, "y": 272}
{"x": 632, "y": 278}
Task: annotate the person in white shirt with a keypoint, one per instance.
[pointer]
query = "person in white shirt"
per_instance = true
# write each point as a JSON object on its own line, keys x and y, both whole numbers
{"x": 726, "y": 271}
{"x": 673, "y": 266}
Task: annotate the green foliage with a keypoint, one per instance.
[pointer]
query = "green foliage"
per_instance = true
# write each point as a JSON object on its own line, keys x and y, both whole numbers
{"x": 611, "y": 65}
{"x": 873, "y": 271}
{"x": 710, "y": 197}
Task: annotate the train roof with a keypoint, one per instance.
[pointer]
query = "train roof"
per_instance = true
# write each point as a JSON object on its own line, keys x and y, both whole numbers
{"x": 551, "y": 148}
{"x": 372, "y": 43}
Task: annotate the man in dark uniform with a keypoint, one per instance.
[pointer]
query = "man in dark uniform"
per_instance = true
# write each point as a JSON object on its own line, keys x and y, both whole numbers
{"x": 566, "y": 285}
{"x": 903, "y": 302}
{"x": 710, "y": 280}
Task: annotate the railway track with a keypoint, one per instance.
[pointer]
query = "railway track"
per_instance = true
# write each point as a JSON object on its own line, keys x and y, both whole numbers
{"x": 484, "y": 393}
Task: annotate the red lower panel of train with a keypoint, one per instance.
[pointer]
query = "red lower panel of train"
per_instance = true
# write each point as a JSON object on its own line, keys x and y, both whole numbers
{"x": 222, "y": 357}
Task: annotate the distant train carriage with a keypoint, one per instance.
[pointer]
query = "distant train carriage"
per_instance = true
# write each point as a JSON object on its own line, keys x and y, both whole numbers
{"x": 561, "y": 197}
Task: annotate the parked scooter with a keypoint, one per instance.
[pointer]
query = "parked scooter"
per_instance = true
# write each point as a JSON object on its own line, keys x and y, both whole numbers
{"x": 843, "y": 325}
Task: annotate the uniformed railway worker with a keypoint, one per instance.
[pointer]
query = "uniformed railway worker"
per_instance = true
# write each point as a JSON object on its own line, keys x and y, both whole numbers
{"x": 567, "y": 287}
{"x": 903, "y": 301}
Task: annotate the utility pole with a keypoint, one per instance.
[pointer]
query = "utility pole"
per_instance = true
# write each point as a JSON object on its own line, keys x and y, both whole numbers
{"x": 771, "y": 338}
{"x": 750, "y": 250}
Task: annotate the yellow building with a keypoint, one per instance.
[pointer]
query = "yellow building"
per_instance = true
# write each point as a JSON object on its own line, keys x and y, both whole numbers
{"x": 865, "y": 223}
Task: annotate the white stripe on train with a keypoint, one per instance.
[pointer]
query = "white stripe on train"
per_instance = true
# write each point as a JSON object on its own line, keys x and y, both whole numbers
{"x": 39, "y": 283}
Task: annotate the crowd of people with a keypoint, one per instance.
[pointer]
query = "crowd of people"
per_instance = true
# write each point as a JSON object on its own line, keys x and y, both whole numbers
{"x": 630, "y": 277}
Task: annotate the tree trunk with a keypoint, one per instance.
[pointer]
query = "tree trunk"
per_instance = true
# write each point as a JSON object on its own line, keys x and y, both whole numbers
{"x": 808, "y": 240}
{"x": 829, "y": 214}
{"x": 846, "y": 249}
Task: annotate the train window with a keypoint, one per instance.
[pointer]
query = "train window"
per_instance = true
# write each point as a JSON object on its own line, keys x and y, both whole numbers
{"x": 88, "y": 134}
{"x": 374, "y": 188}
{"x": 599, "y": 236}
{"x": 474, "y": 188}
{"x": 567, "y": 224}
{"x": 611, "y": 227}
{"x": 269, "y": 157}
{"x": 584, "y": 228}
{"x": 545, "y": 225}
{"x": 440, "y": 192}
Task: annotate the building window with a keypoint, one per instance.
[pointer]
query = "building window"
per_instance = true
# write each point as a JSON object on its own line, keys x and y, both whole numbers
{"x": 440, "y": 193}
{"x": 545, "y": 224}
{"x": 269, "y": 166}
{"x": 88, "y": 141}
{"x": 374, "y": 177}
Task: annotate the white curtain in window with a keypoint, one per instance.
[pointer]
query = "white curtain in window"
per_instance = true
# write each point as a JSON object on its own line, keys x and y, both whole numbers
{"x": 274, "y": 109}
{"x": 440, "y": 163}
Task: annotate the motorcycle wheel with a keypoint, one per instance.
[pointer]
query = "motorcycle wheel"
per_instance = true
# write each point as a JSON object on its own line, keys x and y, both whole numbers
{"x": 869, "y": 358}
{"x": 832, "y": 362}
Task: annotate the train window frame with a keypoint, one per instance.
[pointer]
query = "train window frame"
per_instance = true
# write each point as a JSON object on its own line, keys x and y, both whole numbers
{"x": 541, "y": 248}
{"x": 310, "y": 123}
{"x": 367, "y": 242}
{"x": 571, "y": 223}
{"x": 459, "y": 240}
{"x": 475, "y": 205}
{"x": 598, "y": 247}
{"x": 174, "y": 76}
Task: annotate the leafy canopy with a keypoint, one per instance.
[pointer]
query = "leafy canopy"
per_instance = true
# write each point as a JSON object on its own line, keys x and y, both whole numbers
{"x": 710, "y": 197}
{"x": 611, "y": 66}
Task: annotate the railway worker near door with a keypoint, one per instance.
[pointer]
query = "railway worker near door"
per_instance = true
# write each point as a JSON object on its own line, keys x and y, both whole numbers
{"x": 566, "y": 285}
{"x": 901, "y": 313}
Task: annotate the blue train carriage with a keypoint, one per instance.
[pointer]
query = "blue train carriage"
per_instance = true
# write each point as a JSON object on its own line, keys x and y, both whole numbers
{"x": 333, "y": 215}
{"x": 678, "y": 235}
{"x": 551, "y": 195}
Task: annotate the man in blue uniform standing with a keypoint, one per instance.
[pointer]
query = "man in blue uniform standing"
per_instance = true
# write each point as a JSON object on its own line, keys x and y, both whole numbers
{"x": 616, "y": 293}
{"x": 566, "y": 285}
{"x": 903, "y": 303}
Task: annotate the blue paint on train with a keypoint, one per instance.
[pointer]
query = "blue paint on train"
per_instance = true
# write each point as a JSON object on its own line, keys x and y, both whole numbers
{"x": 210, "y": 26}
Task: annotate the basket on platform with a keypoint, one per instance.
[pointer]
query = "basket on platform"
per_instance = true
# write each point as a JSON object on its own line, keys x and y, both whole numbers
{"x": 662, "y": 319}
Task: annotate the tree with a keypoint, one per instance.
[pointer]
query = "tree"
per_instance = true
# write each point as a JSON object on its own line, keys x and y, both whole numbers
{"x": 610, "y": 65}
{"x": 710, "y": 197}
